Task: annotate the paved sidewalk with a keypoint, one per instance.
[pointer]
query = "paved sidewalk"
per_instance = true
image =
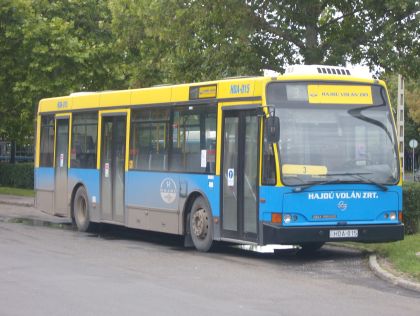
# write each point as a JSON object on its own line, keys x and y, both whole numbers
{"x": 17, "y": 200}
{"x": 23, "y": 208}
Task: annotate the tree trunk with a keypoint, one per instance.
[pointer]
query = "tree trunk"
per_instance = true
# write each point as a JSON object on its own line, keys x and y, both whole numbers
{"x": 312, "y": 53}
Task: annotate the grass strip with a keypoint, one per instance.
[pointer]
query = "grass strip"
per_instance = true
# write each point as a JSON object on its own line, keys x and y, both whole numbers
{"x": 17, "y": 191}
{"x": 401, "y": 254}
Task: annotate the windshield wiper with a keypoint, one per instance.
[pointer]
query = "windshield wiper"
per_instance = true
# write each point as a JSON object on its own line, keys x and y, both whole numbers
{"x": 359, "y": 176}
{"x": 311, "y": 184}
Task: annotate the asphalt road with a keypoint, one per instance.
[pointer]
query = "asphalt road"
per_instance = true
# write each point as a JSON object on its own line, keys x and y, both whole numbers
{"x": 58, "y": 271}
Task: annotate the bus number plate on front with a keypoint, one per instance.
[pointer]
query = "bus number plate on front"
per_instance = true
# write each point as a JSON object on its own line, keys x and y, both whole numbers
{"x": 344, "y": 233}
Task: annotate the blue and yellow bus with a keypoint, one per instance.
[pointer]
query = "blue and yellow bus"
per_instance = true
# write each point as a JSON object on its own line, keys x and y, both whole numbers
{"x": 303, "y": 158}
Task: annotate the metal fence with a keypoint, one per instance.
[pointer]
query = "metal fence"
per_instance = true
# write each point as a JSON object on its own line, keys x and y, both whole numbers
{"x": 24, "y": 152}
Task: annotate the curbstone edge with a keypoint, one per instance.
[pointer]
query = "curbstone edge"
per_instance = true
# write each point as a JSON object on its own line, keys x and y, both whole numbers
{"x": 18, "y": 203}
{"x": 387, "y": 276}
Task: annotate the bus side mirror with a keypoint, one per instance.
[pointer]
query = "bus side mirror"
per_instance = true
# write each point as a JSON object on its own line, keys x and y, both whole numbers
{"x": 272, "y": 129}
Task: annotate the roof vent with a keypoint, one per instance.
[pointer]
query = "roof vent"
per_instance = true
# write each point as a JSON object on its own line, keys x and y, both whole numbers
{"x": 326, "y": 70}
{"x": 76, "y": 94}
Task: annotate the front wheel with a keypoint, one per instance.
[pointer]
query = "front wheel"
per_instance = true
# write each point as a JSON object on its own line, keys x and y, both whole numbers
{"x": 201, "y": 225}
{"x": 81, "y": 211}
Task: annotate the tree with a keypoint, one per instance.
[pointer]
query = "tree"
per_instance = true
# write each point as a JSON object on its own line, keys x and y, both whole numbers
{"x": 14, "y": 116}
{"x": 381, "y": 33}
{"x": 412, "y": 96}
{"x": 412, "y": 110}
{"x": 178, "y": 40}
{"x": 51, "y": 48}
{"x": 183, "y": 41}
{"x": 71, "y": 48}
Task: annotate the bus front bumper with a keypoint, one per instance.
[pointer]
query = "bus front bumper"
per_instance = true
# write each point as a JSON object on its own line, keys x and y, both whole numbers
{"x": 277, "y": 234}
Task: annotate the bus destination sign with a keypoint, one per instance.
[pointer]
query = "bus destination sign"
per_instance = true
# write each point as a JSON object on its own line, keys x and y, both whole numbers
{"x": 340, "y": 94}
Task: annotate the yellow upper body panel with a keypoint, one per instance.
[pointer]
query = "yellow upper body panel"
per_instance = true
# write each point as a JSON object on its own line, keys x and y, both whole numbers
{"x": 221, "y": 89}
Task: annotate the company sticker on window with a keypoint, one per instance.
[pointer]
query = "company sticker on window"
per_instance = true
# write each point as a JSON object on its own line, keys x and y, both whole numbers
{"x": 340, "y": 94}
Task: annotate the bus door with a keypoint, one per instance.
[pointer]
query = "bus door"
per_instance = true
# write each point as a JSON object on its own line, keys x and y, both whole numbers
{"x": 113, "y": 143}
{"x": 240, "y": 175}
{"x": 61, "y": 165}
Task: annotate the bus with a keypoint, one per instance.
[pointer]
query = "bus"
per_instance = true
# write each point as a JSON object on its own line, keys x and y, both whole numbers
{"x": 304, "y": 158}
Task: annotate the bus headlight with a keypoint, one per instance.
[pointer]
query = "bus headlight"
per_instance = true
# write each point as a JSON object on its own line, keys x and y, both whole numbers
{"x": 287, "y": 218}
{"x": 392, "y": 216}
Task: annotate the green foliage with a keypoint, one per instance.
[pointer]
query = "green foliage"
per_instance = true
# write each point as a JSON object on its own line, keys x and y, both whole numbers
{"x": 15, "y": 115}
{"x": 184, "y": 41}
{"x": 377, "y": 32}
{"x": 71, "y": 43}
{"x": 412, "y": 100}
{"x": 51, "y": 48}
{"x": 411, "y": 207}
{"x": 401, "y": 254}
{"x": 17, "y": 175}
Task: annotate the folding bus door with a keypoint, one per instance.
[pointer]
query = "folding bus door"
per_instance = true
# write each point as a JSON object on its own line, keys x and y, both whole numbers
{"x": 113, "y": 151}
{"x": 240, "y": 175}
{"x": 61, "y": 156}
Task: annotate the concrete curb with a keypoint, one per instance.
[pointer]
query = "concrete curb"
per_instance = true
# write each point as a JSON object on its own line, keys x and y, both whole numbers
{"x": 387, "y": 276}
{"x": 18, "y": 203}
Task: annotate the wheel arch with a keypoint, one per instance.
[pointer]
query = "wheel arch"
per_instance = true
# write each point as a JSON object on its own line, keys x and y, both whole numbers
{"x": 188, "y": 205}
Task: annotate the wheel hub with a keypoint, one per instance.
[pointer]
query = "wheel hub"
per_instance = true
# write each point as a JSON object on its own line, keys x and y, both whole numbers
{"x": 200, "y": 223}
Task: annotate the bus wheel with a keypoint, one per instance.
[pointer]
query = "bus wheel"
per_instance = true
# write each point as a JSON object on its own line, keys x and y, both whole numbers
{"x": 201, "y": 225}
{"x": 311, "y": 246}
{"x": 81, "y": 210}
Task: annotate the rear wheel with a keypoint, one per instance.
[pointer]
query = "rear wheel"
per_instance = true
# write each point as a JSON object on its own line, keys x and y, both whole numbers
{"x": 201, "y": 225}
{"x": 81, "y": 210}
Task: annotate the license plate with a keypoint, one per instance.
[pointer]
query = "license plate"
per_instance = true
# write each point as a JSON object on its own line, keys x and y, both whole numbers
{"x": 344, "y": 233}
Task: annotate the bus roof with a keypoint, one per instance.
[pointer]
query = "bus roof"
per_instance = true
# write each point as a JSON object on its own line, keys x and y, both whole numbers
{"x": 229, "y": 89}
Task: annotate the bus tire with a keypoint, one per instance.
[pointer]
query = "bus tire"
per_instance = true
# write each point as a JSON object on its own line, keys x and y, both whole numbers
{"x": 311, "y": 246}
{"x": 81, "y": 210}
{"x": 201, "y": 225}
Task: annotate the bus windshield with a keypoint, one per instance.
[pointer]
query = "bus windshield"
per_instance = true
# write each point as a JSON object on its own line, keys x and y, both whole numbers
{"x": 334, "y": 132}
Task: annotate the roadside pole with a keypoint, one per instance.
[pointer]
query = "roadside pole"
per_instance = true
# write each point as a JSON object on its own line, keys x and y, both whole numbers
{"x": 413, "y": 145}
{"x": 400, "y": 122}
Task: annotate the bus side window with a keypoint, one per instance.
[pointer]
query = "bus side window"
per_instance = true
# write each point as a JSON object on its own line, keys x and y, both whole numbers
{"x": 183, "y": 139}
{"x": 193, "y": 140}
{"x": 210, "y": 136}
{"x": 149, "y": 139}
{"x": 84, "y": 139}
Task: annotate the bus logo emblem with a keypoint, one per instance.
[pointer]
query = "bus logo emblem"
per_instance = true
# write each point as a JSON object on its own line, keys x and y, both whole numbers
{"x": 168, "y": 190}
{"x": 342, "y": 206}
